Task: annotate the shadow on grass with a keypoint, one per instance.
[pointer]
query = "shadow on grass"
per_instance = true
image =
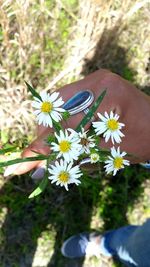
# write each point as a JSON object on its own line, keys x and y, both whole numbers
{"x": 64, "y": 213}
{"x": 110, "y": 55}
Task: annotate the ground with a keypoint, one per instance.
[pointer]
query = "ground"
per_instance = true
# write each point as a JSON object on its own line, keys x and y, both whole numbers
{"x": 50, "y": 43}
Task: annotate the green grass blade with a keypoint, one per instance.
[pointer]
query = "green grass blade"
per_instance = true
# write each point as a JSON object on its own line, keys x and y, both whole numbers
{"x": 91, "y": 112}
{"x": 32, "y": 91}
{"x": 20, "y": 160}
{"x": 40, "y": 188}
{"x": 57, "y": 126}
{"x": 7, "y": 150}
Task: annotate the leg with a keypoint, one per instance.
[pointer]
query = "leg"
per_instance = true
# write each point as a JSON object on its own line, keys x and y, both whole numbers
{"x": 130, "y": 244}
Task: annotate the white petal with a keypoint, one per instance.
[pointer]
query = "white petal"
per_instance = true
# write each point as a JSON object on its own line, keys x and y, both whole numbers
{"x": 49, "y": 121}
{"x": 99, "y": 125}
{"x": 53, "y": 96}
{"x": 116, "y": 117}
{"x": 36, "y": 99}
{"x": 106, "y": 115}
{"x": 66, "y": 157}
{"x": 102, "y": 118}
{"x": 36, "y": 104}
{"x": 115, "y": 137}
{"x": 44, "y": 96}
{"x": 56, "y": 116}
{"x": 107, "y": 135}
{"x": 118, "y": 151}
{"x": 58, "y": 103}
{"x": 115, "y": 171}
{"x": 113, "y": 152}
{"x": 40, "y": 118}
{"x": 123, "y": 154}
{"x": 54, "y": 147}
{"x": 62, "y": 135}
{"x": 36, "y": 112}
{"x": 120, "y": 133}
{"x": 59, "y": 109}
{"x": 66, "y": 186}
{"x": 111, "y": 115}
{"x": 126, "y": 162}
{"x": 121, "y": 124}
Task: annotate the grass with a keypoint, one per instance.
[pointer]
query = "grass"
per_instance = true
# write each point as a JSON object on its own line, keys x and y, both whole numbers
{"x": 56, "y": 215}
{"x": 38, "y": 41}
{"x": 33, "y": 47}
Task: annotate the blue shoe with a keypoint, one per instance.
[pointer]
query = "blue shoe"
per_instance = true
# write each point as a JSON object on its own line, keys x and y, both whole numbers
{"x": 82, "y": 245}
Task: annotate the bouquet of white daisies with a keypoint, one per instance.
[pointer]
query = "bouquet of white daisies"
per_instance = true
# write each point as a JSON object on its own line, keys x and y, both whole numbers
{"x": 71, "y": 148}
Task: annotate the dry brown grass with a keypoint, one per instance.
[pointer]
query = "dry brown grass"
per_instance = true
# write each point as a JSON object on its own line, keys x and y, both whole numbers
{"x": 29, "y": 33}
{"x": 99, "y": 31}
{"x": 21, "y": 25}
{"x": 102, "y": 27}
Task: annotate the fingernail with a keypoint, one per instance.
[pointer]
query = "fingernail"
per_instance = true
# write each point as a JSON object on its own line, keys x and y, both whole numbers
{"x": 39, "y": 173}
{"x": 11, "y": 169}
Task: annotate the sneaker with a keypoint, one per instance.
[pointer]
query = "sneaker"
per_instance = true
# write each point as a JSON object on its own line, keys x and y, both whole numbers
{"x": 84, "y": 244}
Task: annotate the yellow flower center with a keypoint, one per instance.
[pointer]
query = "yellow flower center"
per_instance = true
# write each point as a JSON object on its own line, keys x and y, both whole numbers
{"x": 95, "y": 157}
{"x": 64, "y": 146}
{"x": 112, "y": 124}
{"x": 63, "y": 176}
{"x": 118, "y": 162}
{"x": 46, "y": 107}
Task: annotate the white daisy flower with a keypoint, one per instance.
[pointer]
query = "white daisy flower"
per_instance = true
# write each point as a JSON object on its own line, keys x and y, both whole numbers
{"x": 64, "y": 174}
{"x": 115, "y": 162}
{"x": 48, "y": 108}
{"x": 109, "y": 127}
{"x": 68, "y": 145}
{"x": 94, "y": 157}
{"x": 86, "y": 142}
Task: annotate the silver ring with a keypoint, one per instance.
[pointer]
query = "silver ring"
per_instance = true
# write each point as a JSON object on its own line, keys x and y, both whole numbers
{"x": 79, "y": 102}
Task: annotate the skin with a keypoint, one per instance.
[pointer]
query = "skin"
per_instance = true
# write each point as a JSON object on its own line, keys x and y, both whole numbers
{"x": 132, "y": 105}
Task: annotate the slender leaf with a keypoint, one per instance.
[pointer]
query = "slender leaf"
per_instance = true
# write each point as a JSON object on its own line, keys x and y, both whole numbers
{"x": 7, "y": 150}
{"x": 20, "y": 160}
{"x": 33, "y": 91}
{"x": 51, "y": 138}
{"x": 57, "y": 127}
{"x": 40, "y": 188}
{"x": 66, "y": 115}
{"x": 91, "y": 112}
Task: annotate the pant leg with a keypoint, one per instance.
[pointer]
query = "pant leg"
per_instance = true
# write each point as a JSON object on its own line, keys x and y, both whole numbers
{"x": 130, "y": 244}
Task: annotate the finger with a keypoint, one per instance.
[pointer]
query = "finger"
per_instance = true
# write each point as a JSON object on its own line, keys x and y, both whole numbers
{"x": 40, "y": 171}
{"x": 41, "y": 129}
{"x": 90, "y": 82}
{"x": 67, "y": 92}
{"x": 38, "y": 146}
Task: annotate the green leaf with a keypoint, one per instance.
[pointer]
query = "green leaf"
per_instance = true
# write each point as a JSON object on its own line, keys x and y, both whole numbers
{"x": 91, "y": 112}
{"x": 20, "y": 160}
{"x": 40, "y": 188}
{"x": 97, "y": 140}
{"x": 51, "y": 138}
{"x": 66, "y": 115}
{"x": 33, "y": 91}
{"x": 57, "y": 126}
{"x": 7, "y": 150}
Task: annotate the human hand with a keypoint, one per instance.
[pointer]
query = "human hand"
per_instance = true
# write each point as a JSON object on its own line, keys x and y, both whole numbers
{"x": 132, "y": 105}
